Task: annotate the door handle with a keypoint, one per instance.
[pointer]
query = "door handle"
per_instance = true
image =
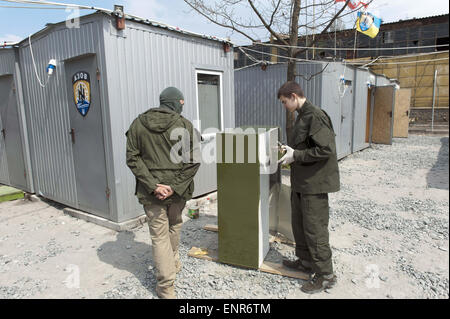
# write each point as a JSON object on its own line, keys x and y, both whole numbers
{"x": 407, "y": 113}
{"x": 72, "y": 132}
{"x": 3, "y": 133}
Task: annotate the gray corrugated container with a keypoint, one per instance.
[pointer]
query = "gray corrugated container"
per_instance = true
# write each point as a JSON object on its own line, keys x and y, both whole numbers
{"x": 15, "y": 168}
{"x": 257, "y": 103}
{"x": 128, "y": 70}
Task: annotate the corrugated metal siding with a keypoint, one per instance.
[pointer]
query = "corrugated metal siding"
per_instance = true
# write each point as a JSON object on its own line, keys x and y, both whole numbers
{"x": 256, "y": 94}
{"x": 338, "y": 107}
{"x": 6, "y": 67}
{"x": 6, "y": 61}
{"x": 257, "y": 103}
{"x": 360, "y": 111}
{"x": 139, "y": 66}
{"x": 47, "y": 109}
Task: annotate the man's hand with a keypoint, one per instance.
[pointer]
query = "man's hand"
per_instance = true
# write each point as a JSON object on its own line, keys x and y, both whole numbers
{"x": 287, "y": 158}
{"x": 163, "y": 191}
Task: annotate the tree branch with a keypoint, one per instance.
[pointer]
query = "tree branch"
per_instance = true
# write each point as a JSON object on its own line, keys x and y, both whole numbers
{"x": 276, "y": 35}
{"x": 299, "y": 51}
{"x": 232, "y": 27}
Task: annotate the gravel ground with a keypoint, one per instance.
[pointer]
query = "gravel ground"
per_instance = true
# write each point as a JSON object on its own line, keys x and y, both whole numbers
{"x": 388, "y": 232}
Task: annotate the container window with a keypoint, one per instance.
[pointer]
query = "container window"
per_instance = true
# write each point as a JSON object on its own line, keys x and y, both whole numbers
{"x": 209, "y": 100}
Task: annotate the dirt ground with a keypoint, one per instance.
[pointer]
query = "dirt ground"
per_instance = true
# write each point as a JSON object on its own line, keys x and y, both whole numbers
{"x": 388, "y": 232}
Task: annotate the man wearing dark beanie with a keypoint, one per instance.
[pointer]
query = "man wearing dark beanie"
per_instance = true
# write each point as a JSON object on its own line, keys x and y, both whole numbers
{"x": 163, "y": 182}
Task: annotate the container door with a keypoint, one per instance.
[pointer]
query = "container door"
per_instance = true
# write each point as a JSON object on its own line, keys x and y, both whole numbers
{"x": 209, "y": 102}
{"x": 86, "y": 135}
{"x": 383, "y": 115}
{"x": 345, "y": 134}
{"x": 10, "y": 133}
{"x": 401, "y": 114}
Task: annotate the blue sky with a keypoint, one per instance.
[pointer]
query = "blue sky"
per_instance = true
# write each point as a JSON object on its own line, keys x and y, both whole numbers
{"x": 16, "y": 24}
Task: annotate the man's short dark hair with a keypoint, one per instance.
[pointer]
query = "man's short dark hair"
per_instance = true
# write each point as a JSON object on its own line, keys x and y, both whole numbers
{"x": 290, "y": 87}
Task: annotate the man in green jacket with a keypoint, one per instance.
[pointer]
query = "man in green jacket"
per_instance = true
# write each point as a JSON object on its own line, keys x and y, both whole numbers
{"x": 311, "y": 152}
{"x": 161, "y": 146}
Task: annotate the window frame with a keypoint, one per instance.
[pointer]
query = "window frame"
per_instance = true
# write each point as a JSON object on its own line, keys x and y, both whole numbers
{"x": 209, "y": 72}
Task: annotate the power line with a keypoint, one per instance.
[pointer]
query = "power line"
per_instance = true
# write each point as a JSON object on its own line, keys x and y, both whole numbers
{"x": 418, "y": 61}
{"x": 360, "y": 49}
{"x": 280, "y": 56}
{"x": 356, "y": 62}
{"x": 22, "y": 7}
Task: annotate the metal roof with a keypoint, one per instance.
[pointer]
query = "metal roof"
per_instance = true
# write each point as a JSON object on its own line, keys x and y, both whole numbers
{"x": 130, "y": 18}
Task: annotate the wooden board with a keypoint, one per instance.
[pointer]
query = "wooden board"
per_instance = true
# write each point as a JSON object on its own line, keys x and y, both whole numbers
{"x": 209, "y": 227}
{"x": 383, "y": 115}
{"x": 278, "y": 239}
{"x": 401, "y": 113}
{"x": 267, "y": 266}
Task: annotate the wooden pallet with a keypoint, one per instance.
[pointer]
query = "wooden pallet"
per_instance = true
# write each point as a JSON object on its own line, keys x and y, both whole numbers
{"x": 211, "y": 254}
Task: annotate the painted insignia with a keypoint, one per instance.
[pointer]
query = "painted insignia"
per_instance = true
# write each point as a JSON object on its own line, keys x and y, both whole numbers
{"x": 82, "y": 91}
{"x": 365, "y": 22}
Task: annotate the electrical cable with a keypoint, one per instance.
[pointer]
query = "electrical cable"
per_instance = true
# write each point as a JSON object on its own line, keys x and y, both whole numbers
{"x": 19, "y": 7}
{"x": 280, "y": 56}
{"x": 407, "y": 62}
{"x": 358, "y": 49}
{"x": 353, "y": 63}
{"x": 35, "y": 68}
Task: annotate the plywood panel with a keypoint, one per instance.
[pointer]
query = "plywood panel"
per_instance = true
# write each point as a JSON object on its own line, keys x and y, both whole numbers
{"x": 390, "y": 73}
{"x": 382, "y": 115}
{"x": 442, "y": 80}
{"x": 408, "y": 71}
{"x": 401, "y": 112}
{"x": 424, "y": 92}
{"x": 408, "y": 82}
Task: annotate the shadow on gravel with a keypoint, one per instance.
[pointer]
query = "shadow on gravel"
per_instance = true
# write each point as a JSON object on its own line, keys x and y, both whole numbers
{"x": 127, "y": 254}
{"x": 437, "y": 177}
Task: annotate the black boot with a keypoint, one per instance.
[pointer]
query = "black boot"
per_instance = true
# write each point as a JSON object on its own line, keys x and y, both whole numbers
{"x": 297, "y": 265}
{"x": 319, "y": 283}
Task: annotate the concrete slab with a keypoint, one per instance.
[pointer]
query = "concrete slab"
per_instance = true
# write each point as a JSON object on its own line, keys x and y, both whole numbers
{"x": 8, "y": 193}
{"x": 127, "y": 225}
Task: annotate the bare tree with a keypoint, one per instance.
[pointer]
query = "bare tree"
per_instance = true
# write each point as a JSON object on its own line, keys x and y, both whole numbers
{"x": 281, "y": 19}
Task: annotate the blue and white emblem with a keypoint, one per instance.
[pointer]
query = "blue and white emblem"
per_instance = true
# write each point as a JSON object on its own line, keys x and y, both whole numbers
{"x": 82, "y": 91}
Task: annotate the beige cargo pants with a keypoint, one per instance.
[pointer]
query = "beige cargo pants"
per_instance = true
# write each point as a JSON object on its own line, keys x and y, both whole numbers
{"x": 164, "y": 223}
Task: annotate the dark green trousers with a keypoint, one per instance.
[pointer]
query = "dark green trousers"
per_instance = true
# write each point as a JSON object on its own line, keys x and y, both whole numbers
{"x": 310, "y": 215}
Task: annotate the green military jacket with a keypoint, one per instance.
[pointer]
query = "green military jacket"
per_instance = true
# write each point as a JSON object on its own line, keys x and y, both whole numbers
{"x": 315, "y": 168}
{"x": 148, "y": 155}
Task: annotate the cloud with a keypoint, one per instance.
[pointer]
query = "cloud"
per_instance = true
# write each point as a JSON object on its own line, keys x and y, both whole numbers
{"x": 10, "y": 38}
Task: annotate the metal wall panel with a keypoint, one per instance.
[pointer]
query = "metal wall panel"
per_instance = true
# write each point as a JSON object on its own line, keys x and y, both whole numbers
{"x": 6, "y": 67}
{"x": 257, "y": 103}
{"x": 6, "y": 61}
{"x": 256, "y": 94}
{"x": 360, "y": 110}
{"x": 18, "y": 149}
{"x": 142, "y": 61}
{"x": 46, "y": 107}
